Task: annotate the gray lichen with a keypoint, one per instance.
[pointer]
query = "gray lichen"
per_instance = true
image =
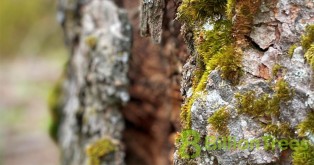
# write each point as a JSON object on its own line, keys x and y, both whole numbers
{"x": 96, "y": 85}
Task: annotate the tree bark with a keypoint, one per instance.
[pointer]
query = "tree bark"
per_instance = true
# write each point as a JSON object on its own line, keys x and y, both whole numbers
{"x": 121, "y": 95}
{"x": 217, "y": 109}
{"x": 152, "y": 114}
{"x": 99, "y": 38}
{"x": 145, "y": 126}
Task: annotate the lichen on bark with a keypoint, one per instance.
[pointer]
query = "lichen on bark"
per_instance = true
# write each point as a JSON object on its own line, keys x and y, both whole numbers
{"x": 99, "y": 38}
{"x": 262, "y": 31}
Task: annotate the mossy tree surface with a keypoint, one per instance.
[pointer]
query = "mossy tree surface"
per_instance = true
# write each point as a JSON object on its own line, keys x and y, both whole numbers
{"x": 99, "y": 149}
{"x": 219, "y": 120}
{"x": 220, "y": 47}
{"x": 303, "y": 157}
{"x": 267, "y": 106}
{"x": 306, "y": 126}
{"x": 219, "y": 33}
{"x": 239, "y": 60}
{"x": 308, "y": 38}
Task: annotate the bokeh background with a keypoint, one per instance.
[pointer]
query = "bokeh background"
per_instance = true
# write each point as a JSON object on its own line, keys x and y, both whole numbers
{"x": 32, "y": 56}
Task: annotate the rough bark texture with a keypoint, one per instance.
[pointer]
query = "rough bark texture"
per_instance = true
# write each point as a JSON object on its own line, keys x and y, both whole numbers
{"x": 97, "y": 84}
{"x": 152, "y": 13}
{"x": 276, "y": 26}
{"x": 99, "y": 37}
{"x": 152, "y": 114}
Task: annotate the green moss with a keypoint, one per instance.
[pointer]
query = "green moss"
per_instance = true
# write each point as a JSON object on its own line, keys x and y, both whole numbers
{"x": 213, "y": 52}
{"x": 276, "y": 69}
{"x": 222, "y": 47}
{"x": 307, "y": 125}
{"x": 93, "y": 161}
{"x": 281, "y": 130}
{"x": 214, "y": 40}
{"x": 249, "y": 104}
{"x": 55, "y": 109}
{"x": 219, "y": 48}
{"x": 309, "y": 55}
{"x": 282, "y": 91}
{"x": 303, "y": 156}
{"x": 230, "y": 8}
{"x": 265, "y": 105}
{"x": 98, "y": 149}
{"x": 291, "y": 50}
{"x": 217, "y": 51}
{"x": 245, "y": 11}
{"x": 198, "y": 72}
{"x": 91, "y": 41}
{"x": 307, "y": 43}
{"x": 197, "y": 11}
{"x": 228, "y": 61}
{"x": 185, "y": 114}
{"x": 308, "y": 38}
{"x": 202, "y": 83}
{"x": 219, "y": 121}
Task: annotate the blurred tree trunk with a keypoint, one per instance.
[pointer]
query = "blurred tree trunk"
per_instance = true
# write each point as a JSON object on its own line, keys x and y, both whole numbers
{"x": 117, "y": 108}
{"x": 152, "y": 114}
{"x": 99, "y": 37}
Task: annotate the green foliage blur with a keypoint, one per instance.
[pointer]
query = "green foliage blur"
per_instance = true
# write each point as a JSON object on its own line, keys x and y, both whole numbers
{"x": 29, "y": 28}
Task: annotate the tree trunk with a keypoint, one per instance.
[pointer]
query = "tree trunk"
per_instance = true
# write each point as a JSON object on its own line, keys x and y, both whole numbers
{"x": 241, "y": 83}
{"x": 93, "y": 109}
{"x": 152, "y": 114}
{"x": 99, "y": 36}
{"x": 248, "y": 75}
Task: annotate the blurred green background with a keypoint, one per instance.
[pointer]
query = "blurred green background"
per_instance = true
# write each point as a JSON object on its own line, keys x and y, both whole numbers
{"x": 29, "y": 27}
{"x": 32, "y": 56}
